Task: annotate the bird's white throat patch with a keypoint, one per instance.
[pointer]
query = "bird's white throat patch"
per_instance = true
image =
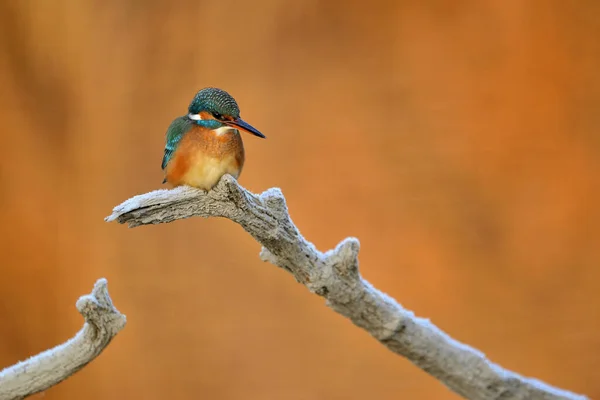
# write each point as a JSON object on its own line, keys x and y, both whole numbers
{"x": 222, "y": 130}
{"x": 195, "y": 117}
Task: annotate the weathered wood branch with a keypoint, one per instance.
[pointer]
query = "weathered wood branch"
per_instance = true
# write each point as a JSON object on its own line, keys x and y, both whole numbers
{"x": 38, "y": 373}
{"x": 334, "y": 275}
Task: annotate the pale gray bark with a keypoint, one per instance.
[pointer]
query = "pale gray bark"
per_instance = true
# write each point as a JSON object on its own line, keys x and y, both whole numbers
{"x": 334, "y": 275}
{"x": 102, "y": 322}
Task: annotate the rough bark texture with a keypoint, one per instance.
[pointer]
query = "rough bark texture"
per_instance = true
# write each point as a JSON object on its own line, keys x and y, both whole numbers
{"x": 38, "y": 373}
{"x": 334, "y": 275}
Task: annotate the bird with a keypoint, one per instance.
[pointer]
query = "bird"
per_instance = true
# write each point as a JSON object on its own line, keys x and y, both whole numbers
{"x": 206, "y": 144}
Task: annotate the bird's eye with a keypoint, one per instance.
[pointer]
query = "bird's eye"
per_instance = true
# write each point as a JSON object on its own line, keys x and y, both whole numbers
{"x": 217, "y": 115}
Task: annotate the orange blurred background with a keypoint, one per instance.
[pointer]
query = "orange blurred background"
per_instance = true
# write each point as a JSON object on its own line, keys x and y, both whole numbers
{"x": 458, "y": 140}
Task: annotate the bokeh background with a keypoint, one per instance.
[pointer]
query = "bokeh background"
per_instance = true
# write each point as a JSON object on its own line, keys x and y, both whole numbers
{"x": 458, "y": 140}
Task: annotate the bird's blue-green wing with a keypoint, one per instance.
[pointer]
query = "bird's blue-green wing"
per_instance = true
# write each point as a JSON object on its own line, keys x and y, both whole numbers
{"x": 176, "y": 131}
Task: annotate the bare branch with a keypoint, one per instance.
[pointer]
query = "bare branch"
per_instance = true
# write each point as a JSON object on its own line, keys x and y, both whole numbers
{"x": 334, "y": 275}
{"x": 38, "y": 373}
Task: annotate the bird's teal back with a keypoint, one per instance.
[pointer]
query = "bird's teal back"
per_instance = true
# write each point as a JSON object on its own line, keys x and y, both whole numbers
{"x": 176, "y": 130}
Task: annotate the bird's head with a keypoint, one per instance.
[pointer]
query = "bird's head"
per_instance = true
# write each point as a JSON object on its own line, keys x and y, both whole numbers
{"x": 212, "y": 104}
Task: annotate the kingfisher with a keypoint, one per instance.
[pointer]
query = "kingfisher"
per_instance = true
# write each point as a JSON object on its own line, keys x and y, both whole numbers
{"x": 206, "y": 144}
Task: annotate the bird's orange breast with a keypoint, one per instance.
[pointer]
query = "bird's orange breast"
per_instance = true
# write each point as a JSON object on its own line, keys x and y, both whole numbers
{"x": 203, "y": 156}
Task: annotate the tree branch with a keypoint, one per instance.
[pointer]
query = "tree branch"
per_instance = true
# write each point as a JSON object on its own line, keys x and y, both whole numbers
{"x": 38, "y": 373}
{"x": 334, "y": 275}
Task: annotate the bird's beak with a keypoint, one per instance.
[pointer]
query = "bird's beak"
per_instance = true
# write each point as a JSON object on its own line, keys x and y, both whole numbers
{"x": 240, "y": 123}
